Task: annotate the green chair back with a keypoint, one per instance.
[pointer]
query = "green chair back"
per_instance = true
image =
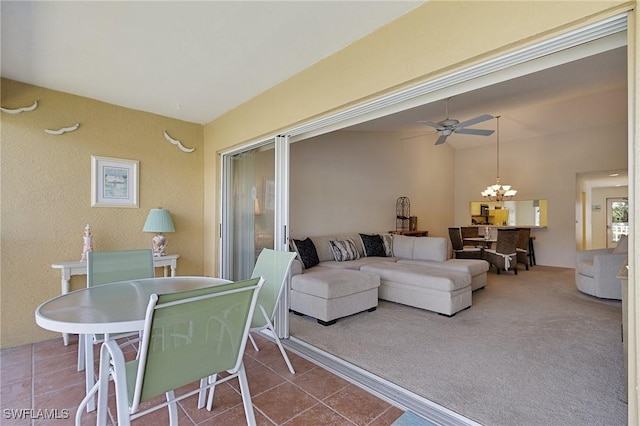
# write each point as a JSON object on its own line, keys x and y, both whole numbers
{"x": 112, "y": 266}
{"x": 274, "y": 267}
{"x": 190, "y": 335}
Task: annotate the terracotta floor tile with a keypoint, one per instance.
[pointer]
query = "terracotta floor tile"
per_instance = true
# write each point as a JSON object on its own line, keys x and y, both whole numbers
{"x": 319, "y": 414}
{"x": 388, "y": 417}
{"x": 278, "y": 396}
{"x": 283, "y": 402}
{"x": 319, "y": 383}
{"x": 357, "y": 405}
{"x": 56, "y": 379}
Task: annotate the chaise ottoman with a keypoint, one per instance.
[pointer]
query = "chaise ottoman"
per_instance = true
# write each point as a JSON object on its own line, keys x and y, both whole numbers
{"x": 442, "y": 291}
{"x": 328, "y": 293}
{"x": 475, "y": 267}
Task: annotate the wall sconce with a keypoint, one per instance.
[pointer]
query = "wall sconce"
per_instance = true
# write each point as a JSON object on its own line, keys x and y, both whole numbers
{"x": 159, "y": 220}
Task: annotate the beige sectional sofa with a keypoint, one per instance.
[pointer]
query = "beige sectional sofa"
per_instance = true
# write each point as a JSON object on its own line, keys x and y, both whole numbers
{"x": 333, "y": 278}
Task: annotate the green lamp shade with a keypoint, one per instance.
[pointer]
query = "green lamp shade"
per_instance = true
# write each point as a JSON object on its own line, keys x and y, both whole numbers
{"x": 159, "y": 220}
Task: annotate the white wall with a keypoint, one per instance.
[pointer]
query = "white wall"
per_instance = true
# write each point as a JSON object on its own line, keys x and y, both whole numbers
{"x": 349, "y": 181}
{"x": 544, "y": 167}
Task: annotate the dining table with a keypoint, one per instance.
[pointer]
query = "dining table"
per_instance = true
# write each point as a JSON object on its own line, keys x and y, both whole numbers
{"x": 109, "y": 309}
{"x": 485, "y": 242}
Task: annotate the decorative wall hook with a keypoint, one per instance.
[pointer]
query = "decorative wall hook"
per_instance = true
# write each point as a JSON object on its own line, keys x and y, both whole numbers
{"x": 63, "y": 130}
{"x": 177, "y": 143}
{"x": 19, "y": 110}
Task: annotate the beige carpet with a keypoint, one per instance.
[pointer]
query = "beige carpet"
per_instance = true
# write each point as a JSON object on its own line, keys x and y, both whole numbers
{"x": 532, "y": 350}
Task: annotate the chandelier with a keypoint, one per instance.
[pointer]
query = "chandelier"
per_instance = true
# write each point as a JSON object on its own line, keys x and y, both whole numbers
{"x": 498, "y": 192}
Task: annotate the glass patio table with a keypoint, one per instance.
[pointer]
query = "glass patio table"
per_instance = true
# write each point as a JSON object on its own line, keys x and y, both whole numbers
{"x": 108, "y": 309}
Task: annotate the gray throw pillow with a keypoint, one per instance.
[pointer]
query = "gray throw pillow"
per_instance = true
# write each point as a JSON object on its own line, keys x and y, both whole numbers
{"x": 344, "y": 250}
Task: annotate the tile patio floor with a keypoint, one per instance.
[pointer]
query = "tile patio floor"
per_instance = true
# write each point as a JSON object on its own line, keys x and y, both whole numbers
{"x": 43, "y": 376}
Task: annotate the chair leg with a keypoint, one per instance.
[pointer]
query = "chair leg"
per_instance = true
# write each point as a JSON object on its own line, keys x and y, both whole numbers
{"x": 202, "y": 395}
{"x": 89, "y": 366}
{"x": 212, "y": 389}
{"x": 246, "y": 396}
{"x": 173, "y": 411}
{"x": 275, "y": 336}
{"x": 253, "y": 342}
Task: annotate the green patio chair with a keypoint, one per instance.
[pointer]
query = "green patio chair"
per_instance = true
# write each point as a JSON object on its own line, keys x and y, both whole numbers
{"x": 218, "y": 319}
{"x": 274, "y": 267}
{"x": 105, "y": 267}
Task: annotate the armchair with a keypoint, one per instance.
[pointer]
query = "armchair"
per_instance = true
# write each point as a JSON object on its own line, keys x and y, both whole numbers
{"x": 596, "y": 271}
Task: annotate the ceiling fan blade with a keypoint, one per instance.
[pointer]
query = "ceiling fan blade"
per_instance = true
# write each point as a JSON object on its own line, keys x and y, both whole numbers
{"x": 441, "y": 139}
{"x": 416, "y": 136}
{"x": 479, "y": 132}
{"x": 472, "y": 121}
{"x": 432, "y": 124}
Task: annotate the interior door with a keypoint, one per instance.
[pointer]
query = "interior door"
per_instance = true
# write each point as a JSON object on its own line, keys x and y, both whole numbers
{"x": 617, "y": 220}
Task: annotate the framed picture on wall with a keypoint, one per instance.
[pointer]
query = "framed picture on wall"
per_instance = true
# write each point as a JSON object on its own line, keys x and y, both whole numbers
{"x": 114, "y": 182}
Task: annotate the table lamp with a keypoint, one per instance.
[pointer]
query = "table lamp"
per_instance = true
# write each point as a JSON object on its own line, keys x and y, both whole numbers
{"x": 159, "y": 220}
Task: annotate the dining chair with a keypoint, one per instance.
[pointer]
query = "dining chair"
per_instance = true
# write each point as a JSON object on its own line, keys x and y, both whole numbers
{"x": 522, "y": 248}
{"x": 219, "y": 317}
{"x": 470, "y": 232}
{"x": 105, "y": 267}
{"x": 274, "y": 267}
{"x": 459, "y": 250}
{"x": 504, "y": 256}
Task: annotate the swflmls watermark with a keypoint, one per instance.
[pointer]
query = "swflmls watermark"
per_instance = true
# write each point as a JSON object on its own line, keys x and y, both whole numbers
{"x": 30, "y": 413}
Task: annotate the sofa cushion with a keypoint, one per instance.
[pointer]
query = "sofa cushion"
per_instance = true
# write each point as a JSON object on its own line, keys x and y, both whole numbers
{"x": 344, "y": 250}
{"x": 403, "y": 246}
{"x": 417, "y": 276}
{"x": 373, "y": 245}
{"x": 623, "y": 245}
{"x": 430, "y": 248}
{"x": 328, "y": 283}
{"x": 306, "y": 251}
{"x": 355, "y": 264}
{"x": 472, "y": 266}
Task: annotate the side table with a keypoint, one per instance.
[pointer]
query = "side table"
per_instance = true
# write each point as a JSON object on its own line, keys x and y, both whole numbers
{"x": 68, "y": 269}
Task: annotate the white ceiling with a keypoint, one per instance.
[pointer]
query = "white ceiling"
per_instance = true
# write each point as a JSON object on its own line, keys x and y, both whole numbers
{"x": 188, "y": 60}
{"x": 195, "y": 61}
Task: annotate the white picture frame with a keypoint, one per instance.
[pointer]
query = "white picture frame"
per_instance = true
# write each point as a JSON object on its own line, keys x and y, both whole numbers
{"x": 114, "y": 182}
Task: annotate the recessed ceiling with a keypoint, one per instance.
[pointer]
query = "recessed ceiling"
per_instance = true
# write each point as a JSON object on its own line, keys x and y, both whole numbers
{"x": 578, "y": 95}
{"x": 192, "y": 61}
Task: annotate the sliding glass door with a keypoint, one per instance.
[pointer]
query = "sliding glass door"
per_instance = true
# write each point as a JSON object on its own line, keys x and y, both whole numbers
{"x": 255, "y": 210}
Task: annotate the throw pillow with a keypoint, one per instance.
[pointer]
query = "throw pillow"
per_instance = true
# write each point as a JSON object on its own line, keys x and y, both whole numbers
{"x": 373, "y": 245}
{"x": 344, "y": 250}
{"x": 623, "y": 245}
{"x": 387, "y": 240}
{"x": 307, "y": 253}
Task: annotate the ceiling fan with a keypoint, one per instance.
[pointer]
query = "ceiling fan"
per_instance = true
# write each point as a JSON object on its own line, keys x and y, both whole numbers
{"x": 450, "y": 125}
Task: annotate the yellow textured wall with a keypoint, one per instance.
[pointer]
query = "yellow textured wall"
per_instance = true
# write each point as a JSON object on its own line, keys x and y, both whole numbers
{"x": 431, "y": 40}
{"x": 46, "y": 194}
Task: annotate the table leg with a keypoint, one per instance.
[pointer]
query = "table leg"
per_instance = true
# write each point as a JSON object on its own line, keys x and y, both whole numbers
{"x": 65, "y": 285}
{"x": 89, "y": 366}
{"x": 174, "y": 264}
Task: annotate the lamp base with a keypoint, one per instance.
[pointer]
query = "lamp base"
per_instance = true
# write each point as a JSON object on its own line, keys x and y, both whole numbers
{"x": 159, "y": 244}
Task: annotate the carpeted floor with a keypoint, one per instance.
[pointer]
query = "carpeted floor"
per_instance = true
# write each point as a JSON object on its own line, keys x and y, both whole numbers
{"x": 531, "y": 350}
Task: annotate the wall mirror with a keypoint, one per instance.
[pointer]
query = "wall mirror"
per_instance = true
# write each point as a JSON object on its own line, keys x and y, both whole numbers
{"x": 527, "y": 213}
